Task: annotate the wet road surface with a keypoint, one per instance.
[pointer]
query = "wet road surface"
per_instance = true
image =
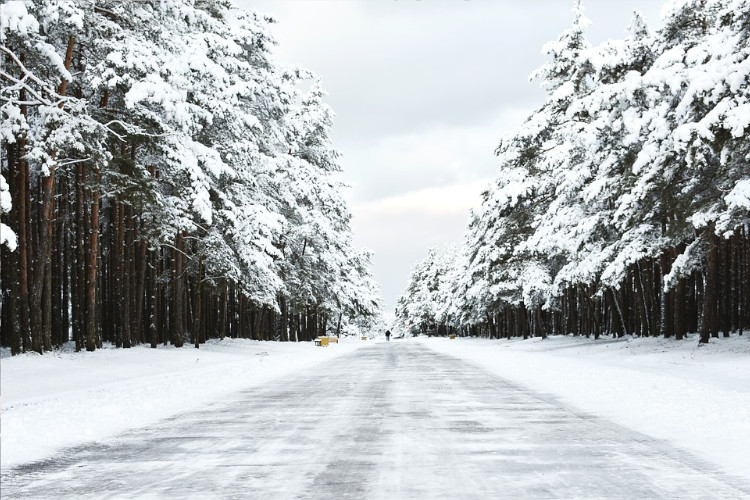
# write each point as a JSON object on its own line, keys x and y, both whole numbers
{"x": 389, "y": 421}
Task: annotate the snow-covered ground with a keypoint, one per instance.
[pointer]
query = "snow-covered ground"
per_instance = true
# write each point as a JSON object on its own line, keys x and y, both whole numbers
{"x": 66, "y": 399}
{"x": 696, "y": 397}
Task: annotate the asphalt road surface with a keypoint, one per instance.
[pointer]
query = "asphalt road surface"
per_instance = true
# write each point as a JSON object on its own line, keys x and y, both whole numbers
{"x": 389, "y": 421}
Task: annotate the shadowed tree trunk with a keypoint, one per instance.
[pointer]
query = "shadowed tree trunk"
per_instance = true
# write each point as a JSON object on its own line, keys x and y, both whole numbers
{"x": 709, "y": 324}
{"x": 223, "y": 324}
{"x": 91, "y": 279}
{"x": 284, "y": 319}
{"x": 178, "y": 298}
{"x": 198, "y": 305}
{"x": 23, "y": 184}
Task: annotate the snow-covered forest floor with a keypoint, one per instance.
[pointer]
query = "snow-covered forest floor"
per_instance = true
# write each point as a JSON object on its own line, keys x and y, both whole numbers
{"x": 66, "y": 399}
{"x": 697, "y": 397}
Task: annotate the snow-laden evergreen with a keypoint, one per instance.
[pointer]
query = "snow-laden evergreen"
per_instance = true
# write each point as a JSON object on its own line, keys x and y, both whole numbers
{"x": 182, "y": 180}
{"x": 621, "y": 204}
{"x": 423, "y": 305}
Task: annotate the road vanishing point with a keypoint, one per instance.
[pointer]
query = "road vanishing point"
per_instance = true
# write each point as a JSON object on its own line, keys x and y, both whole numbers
{"x": 387, "y": 421}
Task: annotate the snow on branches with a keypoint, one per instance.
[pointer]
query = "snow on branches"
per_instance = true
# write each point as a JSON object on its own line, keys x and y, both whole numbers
{"x": 638, "y": 159}
{"x": 170, "y": 127}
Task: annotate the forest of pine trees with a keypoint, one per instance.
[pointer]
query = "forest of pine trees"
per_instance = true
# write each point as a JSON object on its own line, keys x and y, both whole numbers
{"x": 622, "y": 205}
{"x": 166, "y": 180}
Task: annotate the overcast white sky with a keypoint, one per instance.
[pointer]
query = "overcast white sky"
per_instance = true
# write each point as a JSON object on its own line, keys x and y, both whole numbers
{"x": 423, "y": 90}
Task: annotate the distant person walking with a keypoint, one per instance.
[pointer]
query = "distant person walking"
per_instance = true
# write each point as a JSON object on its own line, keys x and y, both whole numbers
{"x": 387, "y": 335}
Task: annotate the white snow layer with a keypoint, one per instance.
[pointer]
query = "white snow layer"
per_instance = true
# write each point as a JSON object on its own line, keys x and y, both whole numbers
{"x": 697, "y": 397}
{"x": 15, "y": 17}
{"x": 66, "y": 399}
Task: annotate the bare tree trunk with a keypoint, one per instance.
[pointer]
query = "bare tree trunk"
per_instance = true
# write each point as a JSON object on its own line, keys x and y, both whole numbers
{"x": 665, "y": 307}
{"x": 640, "y": 292}
{"x": 284, "y": 320}
{"x": 66, "y": 266}
{"x": 709, "y": 327}
{"x": 142, "y": 265}
{"x": 725, "y": 290}
{"x": 491, "y": 325}
{"x": 42, "y": 261}
{"x": 223, "y": 324}
{"x": 523, "y": 324}
{"x": 127, "y": 282}
{"x": 197, "y": 312}
{"x": 23, "y": 180}
{"x": 745, "y": 311}
{"x": 618, "y": 310}
{"x": 735, "y": 277}
{"x": 178, "y": 329}
{"x": 679, "y": 310}
{"x": 257, "y": 328}
{"x": 155, "y": 302}
{"x": 91, "y": 308}
{"x": 123, "y": 290}
{"x": 540, "y": 323}
{"x": 694, "y": 302}
{"x": 232, "y": 312}
{"x": 79, "y": 264}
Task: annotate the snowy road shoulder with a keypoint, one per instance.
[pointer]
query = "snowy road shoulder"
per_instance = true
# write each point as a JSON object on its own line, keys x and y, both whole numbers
{"x": 697, "y": 398}
{"x": 67, "y": 399}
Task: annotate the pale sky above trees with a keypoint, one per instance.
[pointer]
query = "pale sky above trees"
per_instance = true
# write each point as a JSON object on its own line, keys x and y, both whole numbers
{"x": 423, "y": 91}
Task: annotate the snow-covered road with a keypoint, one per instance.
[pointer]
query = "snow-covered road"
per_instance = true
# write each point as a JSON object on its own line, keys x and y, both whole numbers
{"x": 391, "y": 420}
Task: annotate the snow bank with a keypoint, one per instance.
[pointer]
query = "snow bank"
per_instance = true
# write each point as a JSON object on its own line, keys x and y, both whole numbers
{"x": 695, "y": 397}
{"x": 66, "y": 399}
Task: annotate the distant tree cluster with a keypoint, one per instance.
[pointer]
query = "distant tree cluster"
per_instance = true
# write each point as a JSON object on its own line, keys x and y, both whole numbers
{"x": 622, "y": 205}
{"x": 165, "y": 180}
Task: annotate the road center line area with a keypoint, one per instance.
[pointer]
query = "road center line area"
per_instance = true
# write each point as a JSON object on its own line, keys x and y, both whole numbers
{"x": 391, "y": 420}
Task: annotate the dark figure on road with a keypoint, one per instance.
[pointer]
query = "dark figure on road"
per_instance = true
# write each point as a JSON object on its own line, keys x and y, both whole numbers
{"x": 387, "y": 335}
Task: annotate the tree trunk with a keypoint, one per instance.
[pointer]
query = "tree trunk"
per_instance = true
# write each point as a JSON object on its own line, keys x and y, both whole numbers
{"x": 284, "y": 320}
{"x": 709, "y": 325}
{"x": 540, "y": 323}
{"x": 155, "y": 302}
{"x": 140, "y": 290}
{"x": 22, "y": 185}
{"x": 492, "y": 326}
{"x": 735, "y": 278}
{"x": 725, "y": 290}
{"x": 679, "y": 310}
{"x": 178, "y": 329}
{"x": 123, "y": 277}
{"x": 66, "y": 269}
{"x": 78, "y": 280}
{"x": 91, "y": 309}
{"x": 618, "y": 311}
{"x": 223, "y": 313}
{"x": 197, "y": 312}
{"x": 523, "y": 321}
{"x": 641, "y": 300}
